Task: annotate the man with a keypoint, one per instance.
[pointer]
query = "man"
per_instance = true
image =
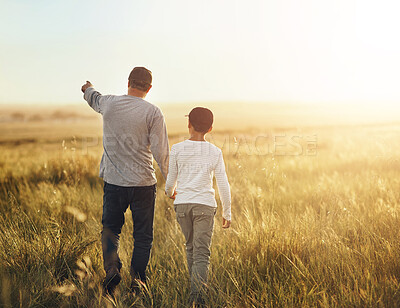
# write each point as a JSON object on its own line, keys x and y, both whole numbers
{"x": 134, "y": 131}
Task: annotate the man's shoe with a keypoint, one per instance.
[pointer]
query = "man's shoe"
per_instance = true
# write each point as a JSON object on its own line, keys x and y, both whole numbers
{"x": 111, "y": 281}
{"x": 137, "y": 286}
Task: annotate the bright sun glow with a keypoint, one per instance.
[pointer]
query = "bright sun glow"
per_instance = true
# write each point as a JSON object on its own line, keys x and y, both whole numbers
{"x": 309, "y": 51}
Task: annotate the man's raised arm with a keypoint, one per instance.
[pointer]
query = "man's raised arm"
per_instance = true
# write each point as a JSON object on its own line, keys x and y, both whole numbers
{"x": 91, "y": 96}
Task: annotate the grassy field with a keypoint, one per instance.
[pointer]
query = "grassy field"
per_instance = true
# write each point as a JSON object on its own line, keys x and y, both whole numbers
{"x": 316, "y": 216}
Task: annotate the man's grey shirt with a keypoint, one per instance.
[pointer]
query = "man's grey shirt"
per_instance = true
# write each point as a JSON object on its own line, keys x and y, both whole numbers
{"x": 134, "y": 131}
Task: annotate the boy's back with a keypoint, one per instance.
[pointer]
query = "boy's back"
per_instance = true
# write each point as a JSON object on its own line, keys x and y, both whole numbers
{"x": 193, "y": 165}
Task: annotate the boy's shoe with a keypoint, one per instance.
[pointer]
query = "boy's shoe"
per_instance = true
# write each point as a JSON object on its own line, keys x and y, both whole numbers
{"x": 197, "y": 301}
{"x": 111, "y": 281}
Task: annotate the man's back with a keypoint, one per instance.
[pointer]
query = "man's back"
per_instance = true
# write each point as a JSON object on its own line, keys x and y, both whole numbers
{"x": 133, "y": 131}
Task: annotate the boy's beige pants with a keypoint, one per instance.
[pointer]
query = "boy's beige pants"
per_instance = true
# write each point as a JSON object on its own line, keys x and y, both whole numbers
{"x": 197, "y": 222}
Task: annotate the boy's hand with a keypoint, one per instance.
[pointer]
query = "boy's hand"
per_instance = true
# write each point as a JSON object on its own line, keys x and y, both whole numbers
{"x": 173, "y": 195}
{"x": 225, "y": 223}
{"x": 86, "y": 85}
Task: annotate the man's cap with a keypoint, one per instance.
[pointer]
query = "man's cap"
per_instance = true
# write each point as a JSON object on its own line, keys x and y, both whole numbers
{"x": 201, "y": 119}
{"x": 141, "y": 75}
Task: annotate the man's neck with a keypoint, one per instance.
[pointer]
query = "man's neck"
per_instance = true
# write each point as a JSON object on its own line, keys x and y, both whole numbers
{"x": 136, "y": 92}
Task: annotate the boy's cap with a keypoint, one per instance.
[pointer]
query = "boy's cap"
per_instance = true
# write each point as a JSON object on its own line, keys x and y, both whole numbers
{"x": 142, "y": 75}
{"x": 201, "y": 119}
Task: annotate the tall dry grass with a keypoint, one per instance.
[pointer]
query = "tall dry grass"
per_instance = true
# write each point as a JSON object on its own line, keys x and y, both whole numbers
{"x": 309, "y": 230}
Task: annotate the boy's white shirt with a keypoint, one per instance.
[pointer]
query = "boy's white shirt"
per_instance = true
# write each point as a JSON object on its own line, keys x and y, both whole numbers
{"x": 192, "y": 166}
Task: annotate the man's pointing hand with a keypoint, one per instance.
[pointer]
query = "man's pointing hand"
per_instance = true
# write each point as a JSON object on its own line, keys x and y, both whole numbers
{"x": 86, "y": 85}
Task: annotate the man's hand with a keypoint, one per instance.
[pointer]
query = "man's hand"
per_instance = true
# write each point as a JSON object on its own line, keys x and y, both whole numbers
{"x": 86, "y": 85}
{"x": 225, "y": 223}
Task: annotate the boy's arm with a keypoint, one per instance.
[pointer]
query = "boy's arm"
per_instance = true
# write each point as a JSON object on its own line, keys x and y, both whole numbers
{"x": 159, "y": 142}
{"x": 223, "y": 188}
{"x": 91, "y": 96}
{"x": 172, "y": 174}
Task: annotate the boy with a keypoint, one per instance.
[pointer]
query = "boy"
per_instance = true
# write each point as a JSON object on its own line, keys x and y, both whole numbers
{"x": 192, "y": 165}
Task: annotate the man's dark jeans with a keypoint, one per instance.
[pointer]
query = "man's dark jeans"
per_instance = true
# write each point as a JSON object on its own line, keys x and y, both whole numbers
{"x": 116, "y": 200}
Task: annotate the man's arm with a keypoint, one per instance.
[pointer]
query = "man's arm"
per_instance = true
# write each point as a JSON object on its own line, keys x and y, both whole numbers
{"x": 91, "y": 96}
{"x": 159, "y": 142}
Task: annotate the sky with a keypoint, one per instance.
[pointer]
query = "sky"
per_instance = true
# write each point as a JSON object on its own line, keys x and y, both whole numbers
{"x": 292, "y": 51}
